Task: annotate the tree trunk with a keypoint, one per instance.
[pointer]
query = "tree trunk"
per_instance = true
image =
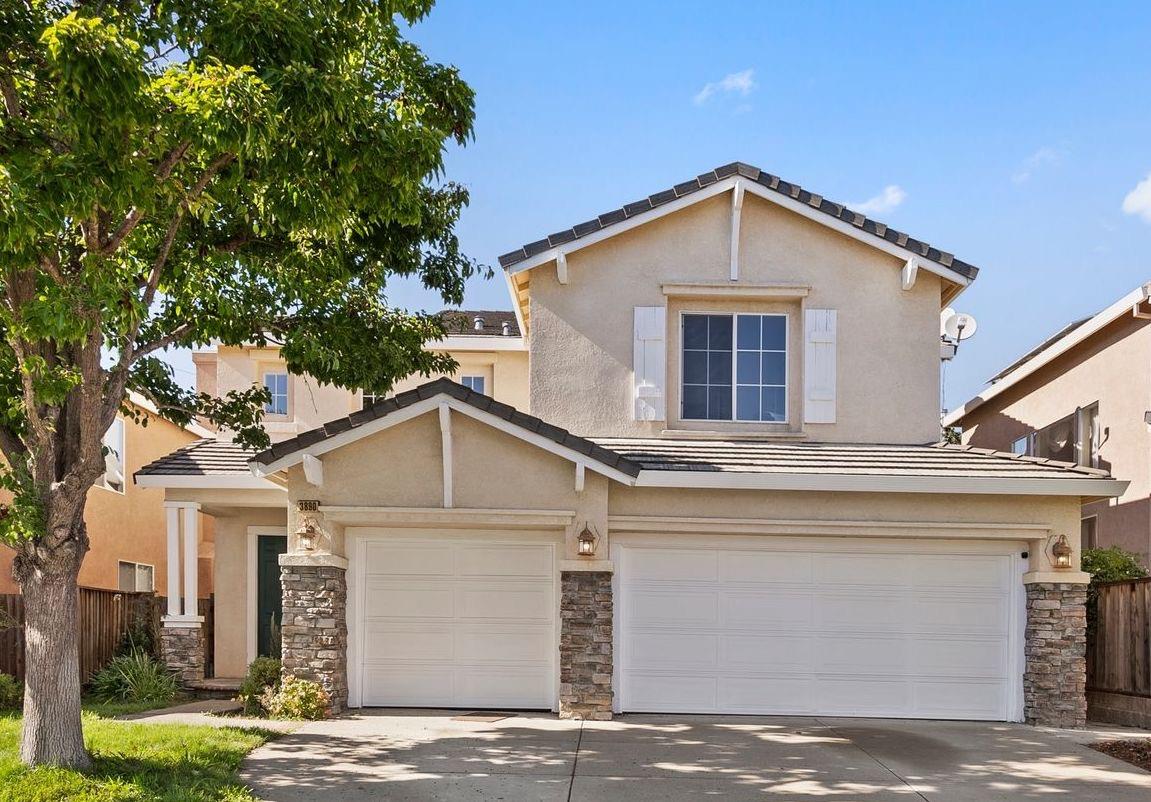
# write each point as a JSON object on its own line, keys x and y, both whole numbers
{"x": 52, "y": 732}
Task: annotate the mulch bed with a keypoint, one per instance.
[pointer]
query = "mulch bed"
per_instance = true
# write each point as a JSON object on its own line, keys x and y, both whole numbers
{"x": 1137, "y": 753}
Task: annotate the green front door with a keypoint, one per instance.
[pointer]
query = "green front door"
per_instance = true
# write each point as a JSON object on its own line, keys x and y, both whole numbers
{"x": 269, "y": 596}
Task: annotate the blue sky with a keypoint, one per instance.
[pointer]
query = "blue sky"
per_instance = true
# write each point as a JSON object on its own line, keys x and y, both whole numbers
{"x": 1007, "y": 133}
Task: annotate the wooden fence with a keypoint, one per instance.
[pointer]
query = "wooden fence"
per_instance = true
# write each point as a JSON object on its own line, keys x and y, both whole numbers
{"x": 105, "y": 615}
{"x": 1119, "y": 639}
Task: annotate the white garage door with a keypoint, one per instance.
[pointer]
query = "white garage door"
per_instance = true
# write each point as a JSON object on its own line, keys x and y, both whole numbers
{"x": 817, "y": 632}
{"x": 447, "y": 623}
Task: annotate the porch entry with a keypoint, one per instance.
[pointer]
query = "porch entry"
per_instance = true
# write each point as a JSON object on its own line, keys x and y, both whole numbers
{"x": 269, "y": 594}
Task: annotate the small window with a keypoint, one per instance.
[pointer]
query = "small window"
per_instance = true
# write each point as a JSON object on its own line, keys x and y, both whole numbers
{"x": 475, "y": 383}
{"x": 113, "y": 443}
{"x": 1022, "y": 446}
{"x": 734, "y": 368}
{"x": 1088, "y": 534}
{"x": 136, "y": 577}
{"x": 277, "y": 384}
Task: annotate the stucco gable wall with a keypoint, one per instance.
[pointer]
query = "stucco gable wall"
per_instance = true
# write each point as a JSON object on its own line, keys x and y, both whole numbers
{"x": 402, "y": 466}
{"x": 888, "y": 352}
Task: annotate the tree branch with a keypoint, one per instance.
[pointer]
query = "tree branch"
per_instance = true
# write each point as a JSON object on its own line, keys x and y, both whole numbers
{"x": 170, "y": 338}
{"x": 163, "y": 173}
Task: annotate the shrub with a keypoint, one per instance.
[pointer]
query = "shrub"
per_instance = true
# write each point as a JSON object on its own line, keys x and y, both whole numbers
{"x": 1112, "y": 564}
{"x": 263, "y": 674}
{"x": 139, "y": 637}
{"x": 135, "y": 677}
{"x": 296, "y": 699}
{"x": 11, "y": 693}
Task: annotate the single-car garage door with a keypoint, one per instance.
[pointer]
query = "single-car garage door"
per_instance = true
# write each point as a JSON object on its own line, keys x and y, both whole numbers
{"x": 858, "y": 629}
{"x": 448, "y": 623}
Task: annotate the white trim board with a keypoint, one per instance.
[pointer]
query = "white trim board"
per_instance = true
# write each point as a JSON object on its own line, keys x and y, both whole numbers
{"x": 729, "y": 184}
{"x": 1128, "y": 303}
{"x": 207, "y": 482}
{"x": 430, "y": 405}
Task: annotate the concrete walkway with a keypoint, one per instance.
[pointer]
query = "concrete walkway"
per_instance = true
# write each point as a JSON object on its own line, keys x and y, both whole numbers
{"x": 426, "y": 755}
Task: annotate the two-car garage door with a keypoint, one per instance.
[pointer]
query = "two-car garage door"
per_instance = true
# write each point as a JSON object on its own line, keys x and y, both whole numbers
{"x": 722, "y": 625}
{"x": 813, "y": 630}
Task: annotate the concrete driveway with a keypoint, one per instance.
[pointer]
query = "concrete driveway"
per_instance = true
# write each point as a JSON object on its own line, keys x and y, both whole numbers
{"x": 426, "y": 755}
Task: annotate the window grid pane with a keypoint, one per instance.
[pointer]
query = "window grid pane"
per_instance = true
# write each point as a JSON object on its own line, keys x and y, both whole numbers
{"x": 277, "y": 384}
{"x": 708, "y": 367}
{"x": 761, "y": 358}
{"x": 474, "y": 383}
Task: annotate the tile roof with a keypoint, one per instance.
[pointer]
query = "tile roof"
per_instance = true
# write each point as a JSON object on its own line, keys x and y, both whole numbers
{"x": 767, "y": 180}
{"x": 746, "y": 456}
{"x": 448, "y": 387}
{"x": 1054, "y": 338}
{"x": 463, "y": 321}
{"x": 202, "y": 458}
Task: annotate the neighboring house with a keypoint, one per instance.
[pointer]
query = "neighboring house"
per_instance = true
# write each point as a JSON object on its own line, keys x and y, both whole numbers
{"x": 1083, "y": 396}
{"x": 126, "y": 523}
{"x": 720, "y": 492}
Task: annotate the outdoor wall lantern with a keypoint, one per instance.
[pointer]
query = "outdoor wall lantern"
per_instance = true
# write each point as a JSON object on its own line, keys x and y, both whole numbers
{"x": 308, "y": 532}
{"x": 587, "y": 541}
{"x": 1061, "y": 553}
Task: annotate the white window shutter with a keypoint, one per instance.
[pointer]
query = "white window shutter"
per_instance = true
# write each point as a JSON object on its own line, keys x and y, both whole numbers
{"x": 650, "y": 362}
{"x": 819, "y": 366}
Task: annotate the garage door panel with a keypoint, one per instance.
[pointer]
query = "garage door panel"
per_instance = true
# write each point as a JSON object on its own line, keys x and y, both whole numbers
{"x": 408, "y": 559}
{"x": 674, "y": 607}
{"x": 504, "y": 561}
{"x": 529, "y": 603}
{"x": 672, "y": 694}
{"x": 409, "y": 601}
{"x": 778, "y": 651}
{"x": 681, "y": 650}
{"x": 760, "y": 567}
{"x": 450, "y": 623}
{"x": 766, "y": 695}
{"x": 479, "y": 644}
{"x": 767, "y": 610}
{"x": 671, "y": 565}
{"x": 783, "y": 631}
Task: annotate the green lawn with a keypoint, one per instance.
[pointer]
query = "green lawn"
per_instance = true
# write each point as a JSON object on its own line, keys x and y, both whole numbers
{"x": 135, "y": 763}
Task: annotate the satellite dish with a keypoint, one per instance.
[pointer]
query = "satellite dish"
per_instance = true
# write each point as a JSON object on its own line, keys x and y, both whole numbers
{"x": 943, "y": 317}
{"x": 959, "y": 326}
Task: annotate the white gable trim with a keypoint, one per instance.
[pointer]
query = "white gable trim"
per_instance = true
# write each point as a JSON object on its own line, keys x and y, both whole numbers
{"x": 431, "y": 405}
{"x": 728, "y": 185}
{"x": 1128, "y": 303}
{"x": 211, "y": 481}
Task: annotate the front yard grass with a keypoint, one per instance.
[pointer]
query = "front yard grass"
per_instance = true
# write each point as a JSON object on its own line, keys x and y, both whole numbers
{"x": 135, "y": 763}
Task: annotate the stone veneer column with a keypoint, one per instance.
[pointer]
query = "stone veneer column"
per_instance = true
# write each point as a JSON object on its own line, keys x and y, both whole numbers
{"x": 586, "y": 645}
{"x": 182, "y": 649}
{"x": 1055, "y": 680}
{"x": 314, "y": 626}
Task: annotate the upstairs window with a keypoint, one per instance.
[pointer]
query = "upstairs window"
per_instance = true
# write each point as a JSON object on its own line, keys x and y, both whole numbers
{"x": 475, "y": 383}
{"x": 734, "y": 368}
{"x": 1075, "y": 438}
{"x": 277, "y": 384}
{"x": 136, "y": 577}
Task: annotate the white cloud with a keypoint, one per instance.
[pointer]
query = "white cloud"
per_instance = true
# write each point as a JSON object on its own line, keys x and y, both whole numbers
{"x": 1046, "y": 155}
{"x": 740, "y": 83}
{"x": 1138, "y": 200}
{"x": 891, "y": 197}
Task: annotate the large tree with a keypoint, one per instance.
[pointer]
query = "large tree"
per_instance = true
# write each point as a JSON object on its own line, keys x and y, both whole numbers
{"x": 175, "y": 172}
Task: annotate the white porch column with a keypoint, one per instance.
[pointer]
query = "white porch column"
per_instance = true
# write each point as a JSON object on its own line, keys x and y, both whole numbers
{"x": 191, "y": 560}
{"x": 173, "y": 512}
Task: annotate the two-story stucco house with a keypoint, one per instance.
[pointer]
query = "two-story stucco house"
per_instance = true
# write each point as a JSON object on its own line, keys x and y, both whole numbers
{"x": 718, "y": 489}
{"x": 1082, "y": 396}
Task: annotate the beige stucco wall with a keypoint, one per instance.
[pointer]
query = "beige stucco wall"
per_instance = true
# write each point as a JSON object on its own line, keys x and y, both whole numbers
{"x": 1112, "y": 368}
{"x": 505, "y": 373}
{"x": 132, "y": 525}
{"x": 888, "y": 339}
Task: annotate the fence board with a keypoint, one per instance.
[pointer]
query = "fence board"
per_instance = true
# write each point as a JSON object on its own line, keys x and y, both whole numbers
{"x": 105, "y": 615}
{"x": 1119, "y": 642}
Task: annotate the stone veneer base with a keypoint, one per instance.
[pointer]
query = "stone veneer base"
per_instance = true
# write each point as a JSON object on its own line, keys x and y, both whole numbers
{"x": 314, "y": 627}
{"x": 1055, "y": 679}
{"x": 586, "y": 645}
{"x": 182, "y": 649}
